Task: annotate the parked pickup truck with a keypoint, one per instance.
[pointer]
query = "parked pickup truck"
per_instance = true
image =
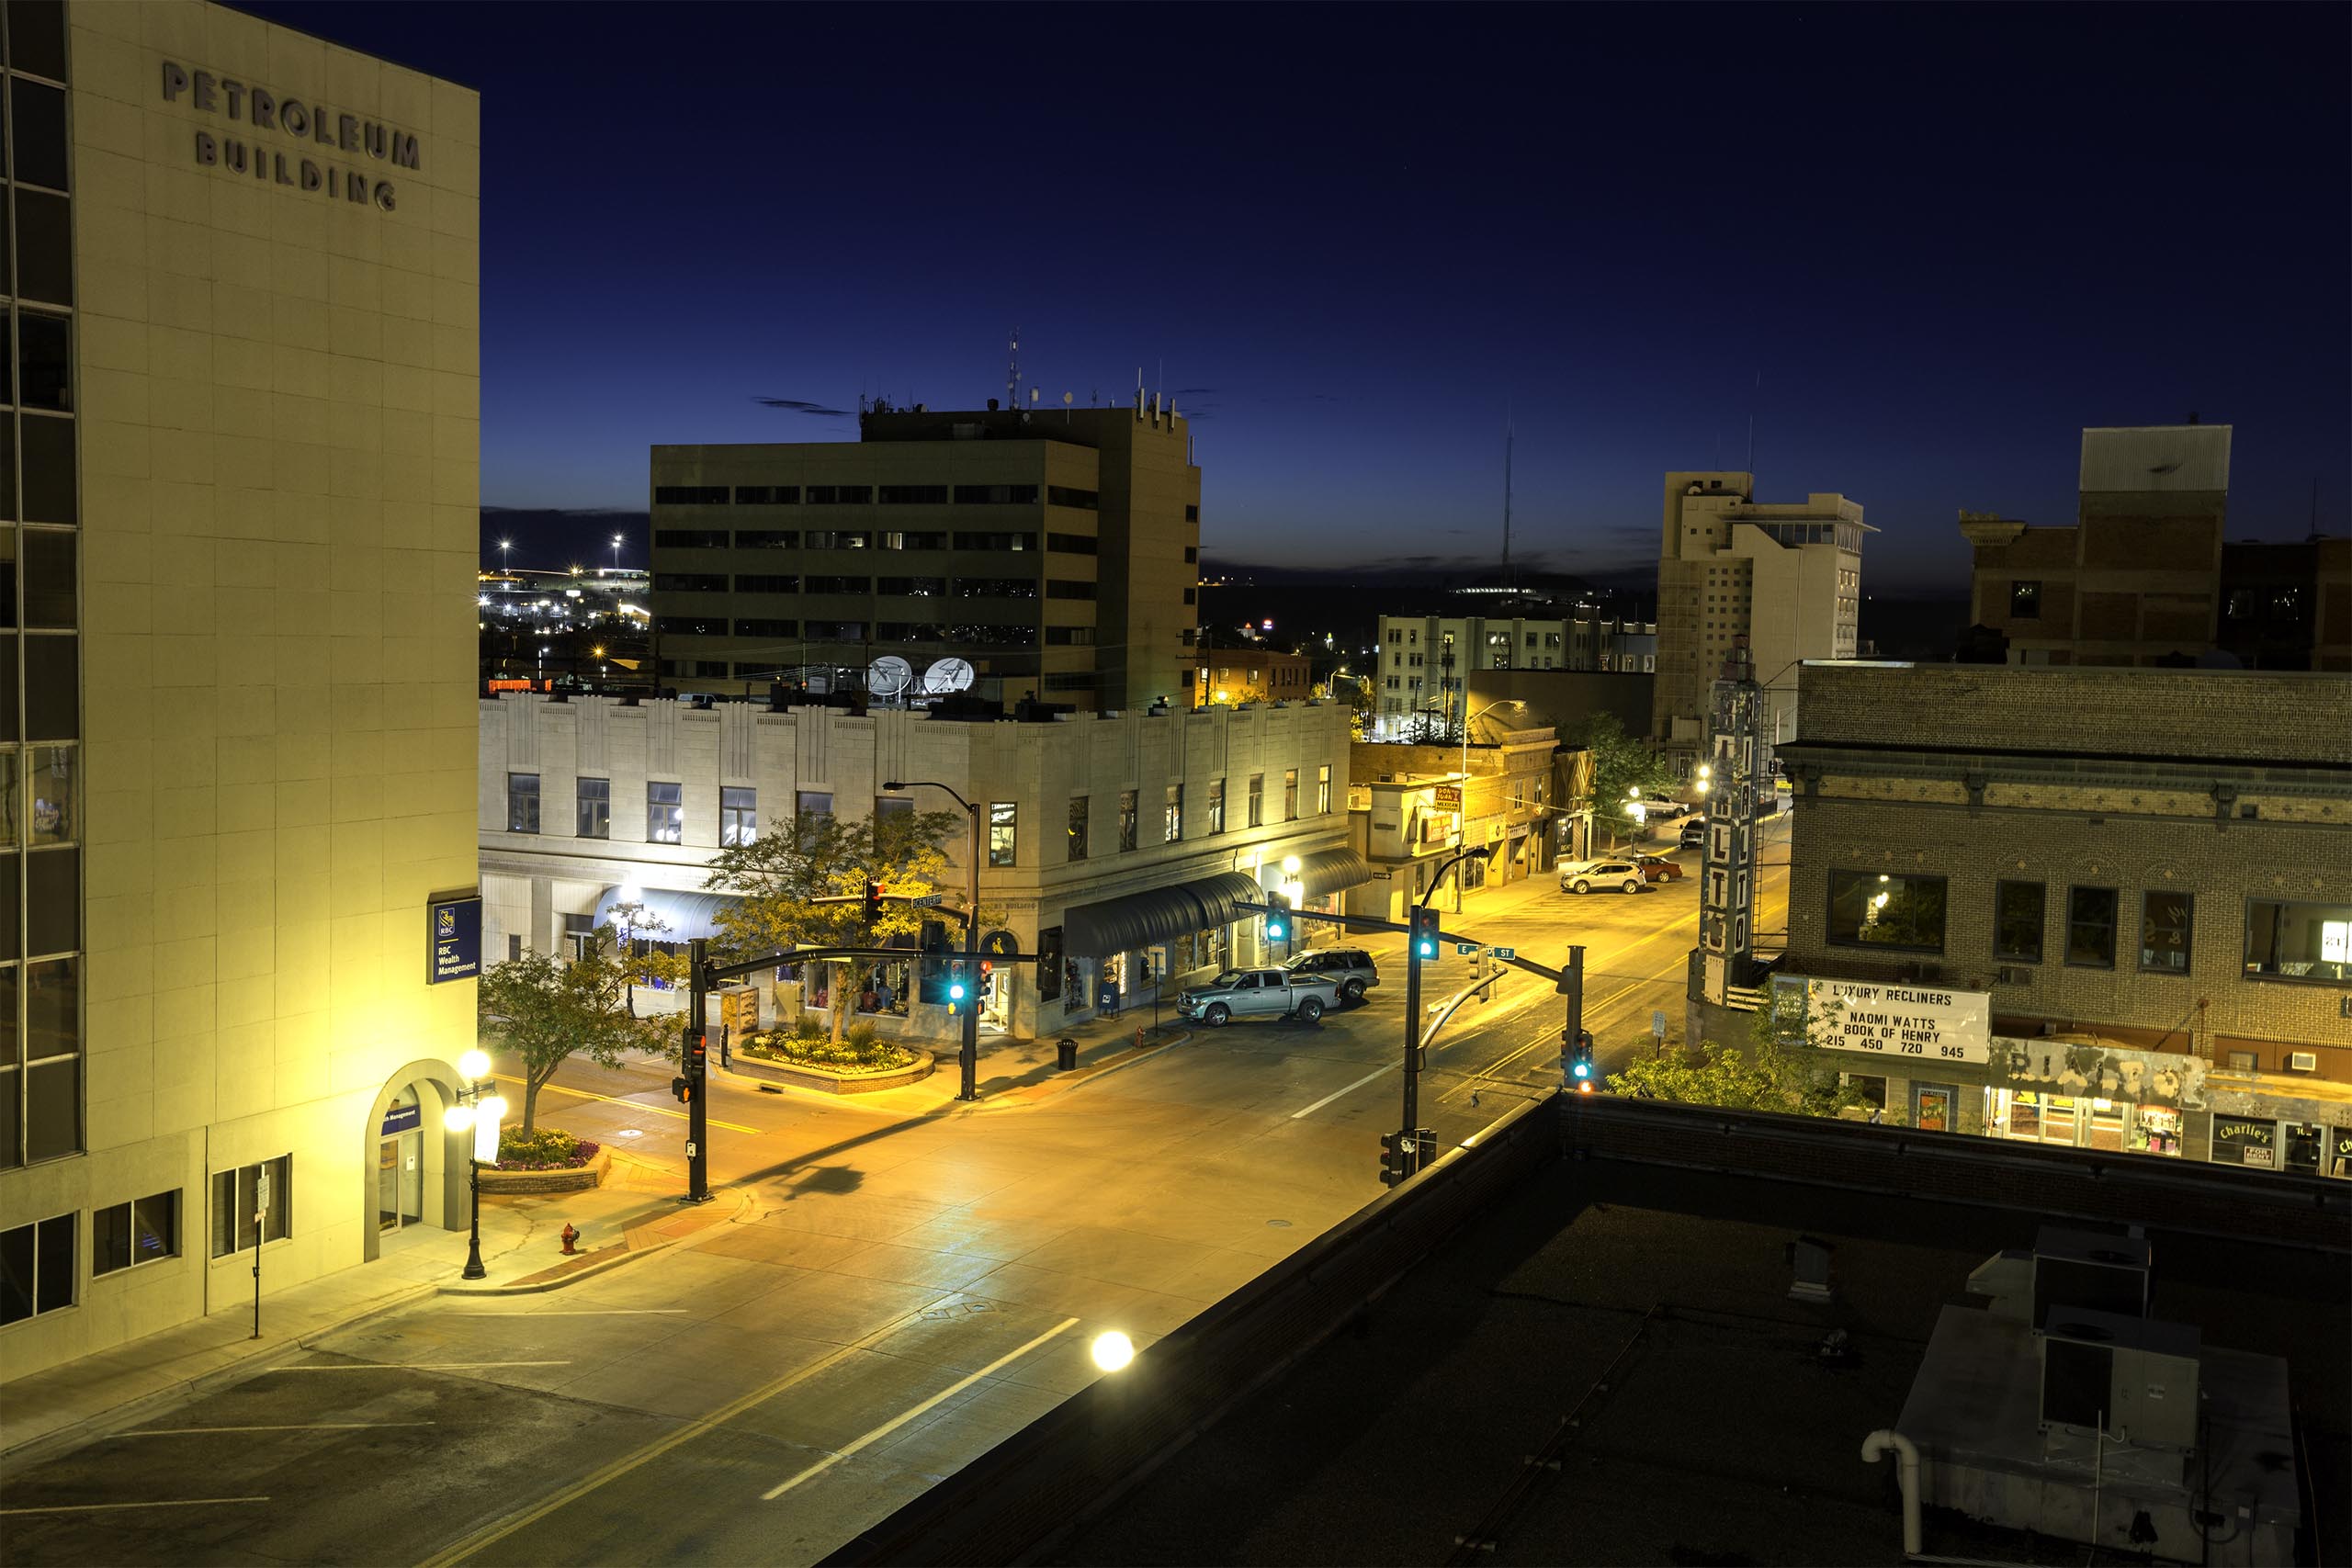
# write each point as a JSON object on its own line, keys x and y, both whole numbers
{"x": 1258, "y": 993}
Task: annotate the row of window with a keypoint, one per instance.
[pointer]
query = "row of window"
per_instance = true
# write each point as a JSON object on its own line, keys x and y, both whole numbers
{"x": 862, "y": 539}
{"x": 2284, "y": 940}
{"x": 37, "y": 1260}
{"x": 739, "y": 819}
{"x": 867, "y": 495}
{"x": 961, "y": 634}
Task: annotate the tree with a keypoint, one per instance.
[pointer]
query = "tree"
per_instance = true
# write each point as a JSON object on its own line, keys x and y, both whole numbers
{"x": 802, "y": 858}
{"x": 1620, "y": 764}
{"x": 1769, "y": 1073}
{"x": 548, "y": 1011}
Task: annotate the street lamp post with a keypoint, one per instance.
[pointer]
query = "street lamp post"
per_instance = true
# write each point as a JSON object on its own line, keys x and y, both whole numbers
{"x": 478, "y": 1110}
{"x": 617, "y": 555}
{"x": 1505, "y": 702}
{"x": 969, "y": 1057}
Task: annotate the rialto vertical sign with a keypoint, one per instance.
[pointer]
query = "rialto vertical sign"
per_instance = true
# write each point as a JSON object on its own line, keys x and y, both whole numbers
{"x": 292, "y": 141}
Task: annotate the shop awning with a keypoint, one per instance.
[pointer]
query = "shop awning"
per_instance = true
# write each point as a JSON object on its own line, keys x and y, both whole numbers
{"x": 1159, "y": 914}
{"x": 686, "y": 915}
{"x": 1333, "y": 871}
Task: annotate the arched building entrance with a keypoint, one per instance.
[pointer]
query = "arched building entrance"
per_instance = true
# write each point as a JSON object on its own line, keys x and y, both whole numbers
{"x": 414, "y": 1167}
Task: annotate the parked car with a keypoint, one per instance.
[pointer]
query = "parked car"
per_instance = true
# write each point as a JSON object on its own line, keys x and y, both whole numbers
{"x": 1258, "y": 993}
{"x": 1351, "y": 967}
{"x": 1583, "y": 876}
{"x": 1667, "y": 810}
{"x": 1694, "y": 833}
{"x": 1657, "y": 868}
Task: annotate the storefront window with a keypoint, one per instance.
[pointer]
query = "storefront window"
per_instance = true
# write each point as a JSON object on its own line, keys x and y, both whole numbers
{"x": 2241, "y": 1140}
{"x": 2304, "y": 1142}
{"x": 2339, "y": 1152}
{"x": 2155, "y": 1130}
{"x": 2105, "y": 1121}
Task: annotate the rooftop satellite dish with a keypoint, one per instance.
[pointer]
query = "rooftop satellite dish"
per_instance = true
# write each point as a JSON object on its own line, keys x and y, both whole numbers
{"x": 947, "y": 675}
{"x": 888, "y": 675}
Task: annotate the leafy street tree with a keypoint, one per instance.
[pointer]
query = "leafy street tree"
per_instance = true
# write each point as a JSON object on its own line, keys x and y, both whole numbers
{"x": 1620, "y": 763}
{"x": 801, "y": 858}
{"x": 547, "y": 1011}
{"x": 1766, "y": 1074}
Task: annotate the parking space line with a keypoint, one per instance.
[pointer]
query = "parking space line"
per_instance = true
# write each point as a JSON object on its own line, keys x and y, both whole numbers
{"x": 298, "y": 1426}
{"x": 884, "y": 1430}
{"x": 98, "y": 1507}
{"x": 407, "y": 1366}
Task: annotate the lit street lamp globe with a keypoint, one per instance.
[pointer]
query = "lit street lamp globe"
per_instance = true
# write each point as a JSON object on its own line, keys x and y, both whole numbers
{"x": 474, "y": 1066}
{"x": 1114, "y": 1350}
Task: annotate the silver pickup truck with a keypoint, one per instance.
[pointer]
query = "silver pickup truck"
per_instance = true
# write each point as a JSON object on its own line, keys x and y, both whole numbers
{"x": 1258, "y": 993}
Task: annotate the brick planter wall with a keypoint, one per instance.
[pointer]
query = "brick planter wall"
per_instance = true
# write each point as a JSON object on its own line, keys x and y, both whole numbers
{"x": 833, "y": 1082}
{"x": 580, "y": 1178}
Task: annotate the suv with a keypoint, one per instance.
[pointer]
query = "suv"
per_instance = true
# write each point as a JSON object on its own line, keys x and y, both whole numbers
{"x": 1351, "y": 967}
{"x": 1583, "y": 876}
{"x": 1694, "y": 833}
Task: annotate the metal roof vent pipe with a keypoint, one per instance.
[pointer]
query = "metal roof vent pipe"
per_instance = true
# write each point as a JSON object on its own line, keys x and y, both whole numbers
{"x": 1875, "y": 1448}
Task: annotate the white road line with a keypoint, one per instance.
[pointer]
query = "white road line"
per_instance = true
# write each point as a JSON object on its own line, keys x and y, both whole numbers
{"x": 97, "y": 1507}
{"x": 580, "y": 1312}
{"x": 299, "y": 1426}
{"x": 892, "y": 1425}
{"x": 407, "y": 1366}
{"x": 1337, "y": 1092}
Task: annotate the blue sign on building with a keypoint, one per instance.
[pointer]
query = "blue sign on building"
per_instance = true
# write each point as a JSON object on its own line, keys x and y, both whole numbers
{"x": 453, "y": 931}
{"x": 403, "y": 1118}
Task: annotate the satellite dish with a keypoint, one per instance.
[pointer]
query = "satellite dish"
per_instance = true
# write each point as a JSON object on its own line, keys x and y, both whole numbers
{"x": 888, "y": 675}
{"x": 947, "y": 675}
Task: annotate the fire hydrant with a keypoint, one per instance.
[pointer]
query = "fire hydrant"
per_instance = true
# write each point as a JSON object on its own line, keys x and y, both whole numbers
{"x": 569, "y": 1236}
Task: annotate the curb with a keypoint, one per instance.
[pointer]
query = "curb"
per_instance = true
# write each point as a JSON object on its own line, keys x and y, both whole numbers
{"x": 588, "y": 1265}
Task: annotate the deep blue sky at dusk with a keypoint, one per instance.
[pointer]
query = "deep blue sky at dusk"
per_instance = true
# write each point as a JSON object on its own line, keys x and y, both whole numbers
{"x": 1946, "y": 240}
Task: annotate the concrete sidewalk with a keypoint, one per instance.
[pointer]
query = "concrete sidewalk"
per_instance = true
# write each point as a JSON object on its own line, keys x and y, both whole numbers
{"x": 635, "y": 1213}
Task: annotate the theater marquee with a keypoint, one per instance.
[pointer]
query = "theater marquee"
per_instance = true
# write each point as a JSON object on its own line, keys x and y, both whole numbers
{"x": 1914, "y": 1023}
{"x": 260, "y": 112}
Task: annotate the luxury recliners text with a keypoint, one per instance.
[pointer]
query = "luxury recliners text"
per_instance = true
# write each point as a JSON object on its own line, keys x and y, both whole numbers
{"x": 310, "y": 123}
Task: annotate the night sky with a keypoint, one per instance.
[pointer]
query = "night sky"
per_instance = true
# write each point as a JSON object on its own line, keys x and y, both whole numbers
{"x": 1351, "y": 243}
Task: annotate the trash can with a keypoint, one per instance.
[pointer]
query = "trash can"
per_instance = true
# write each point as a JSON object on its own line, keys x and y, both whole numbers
{"x": 1065, "y": 1054}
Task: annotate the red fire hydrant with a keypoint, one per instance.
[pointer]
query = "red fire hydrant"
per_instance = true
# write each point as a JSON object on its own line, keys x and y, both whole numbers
{"x": 569, "y": 1236}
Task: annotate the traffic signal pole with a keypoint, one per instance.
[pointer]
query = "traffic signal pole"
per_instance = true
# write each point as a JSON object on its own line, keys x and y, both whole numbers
{"x": 695, "y": 1067}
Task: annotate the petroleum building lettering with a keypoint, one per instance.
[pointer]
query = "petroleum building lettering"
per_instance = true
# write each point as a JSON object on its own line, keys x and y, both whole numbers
{"x": 313, "y": 124}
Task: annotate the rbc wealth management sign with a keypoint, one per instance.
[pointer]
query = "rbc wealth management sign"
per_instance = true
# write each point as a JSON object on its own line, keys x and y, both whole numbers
{"x": 453, "y": 940}
{"x": 1914, "y": 1023}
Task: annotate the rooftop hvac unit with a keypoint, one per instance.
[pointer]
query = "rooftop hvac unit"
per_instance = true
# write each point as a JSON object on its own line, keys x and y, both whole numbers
{"x": 2302, "y": 1061}
{"x": 2091, "y": 1270}
{"x": 2130, "y": 1378}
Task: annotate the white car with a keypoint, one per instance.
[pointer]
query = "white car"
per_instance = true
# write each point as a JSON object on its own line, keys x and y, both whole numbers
{"x": 1583, "y": 876}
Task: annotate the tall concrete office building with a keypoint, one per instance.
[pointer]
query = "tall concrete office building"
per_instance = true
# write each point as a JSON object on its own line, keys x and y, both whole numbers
{"x": 1051, "y": 551}
{"x": 1783, "y": 576}
{"x": 236, "y": 660}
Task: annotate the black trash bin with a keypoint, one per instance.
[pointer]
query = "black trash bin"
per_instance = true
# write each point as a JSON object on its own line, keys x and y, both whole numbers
{"x": 1065, "y": 1054}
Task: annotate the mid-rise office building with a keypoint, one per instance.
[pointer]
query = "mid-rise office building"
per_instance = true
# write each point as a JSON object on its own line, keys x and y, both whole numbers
{"x": 236, "y": 739}
{"x": 1427, "y": 663}
{"x": 1783, "y": 578}
{"x": 1049, "y": 552}
{"x": 1251, "y": 673}
{"x": 2146, "y": 574}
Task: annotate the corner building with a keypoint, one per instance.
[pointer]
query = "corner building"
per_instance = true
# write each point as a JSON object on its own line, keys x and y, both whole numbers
{"x": 243, "y": 296}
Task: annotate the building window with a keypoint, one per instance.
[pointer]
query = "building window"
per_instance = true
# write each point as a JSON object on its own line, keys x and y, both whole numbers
{"x": 1323, "y": 790}
{"x": 2243, "y": 1140}
{"x": 996, "y": 541}
{"x": 893, "y": 806}
{"x": 739, "y": 816}
{"x": 1078, "y": 803}
{"x": 830, "y": 584}
{"x": 1217, "y": 806}
{"x": 765, "y": 583}
{"x": 2017, "y": 920}
{"x": 690, "y": 495}
{"x": 665, "y": 814}
{"x": 690, "y": 582}
{"x": 2298, "y": 941}
{"x": 1175, "y": 814}
{"x": 1290, "y": 794}
{"x": 840, "y": 495}
{"x": 914, "y": 495}
{"x": 2163, "y": 932}
{"x": 766, "y": 495}
{"x": 36, "y": 1268}
{"x": 2025, "y": 600}
{"x": 127, "y": 1235}
{"x": 1004, "y": 833}
{"x": 1065, "y": 495}
{"x": 1058, "y": 587}
{"x": 238, "y": 1217}
{"x": 1886, "y": 910}
{"x": 1257, "y": 800}
{"x": 1072, "y": 544}
{"x": 767, "y": 628}
{"x": 522, "y": 803}
{"x": 2090, "y": 927}
{"x": 690, "y": 538}
{"x": 996, "y": 495}
{"x": 1127, "y": 815}
{"x": 814, "y": 802}
{"x": 594, "y": 809}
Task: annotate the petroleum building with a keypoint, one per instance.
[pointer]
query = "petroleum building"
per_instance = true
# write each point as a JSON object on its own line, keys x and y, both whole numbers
{"x": 2102, "y": 908}
{"x": 1017, "y": 553}
{"x": 1116, "y": 845}
{"x": 238, "y": 524}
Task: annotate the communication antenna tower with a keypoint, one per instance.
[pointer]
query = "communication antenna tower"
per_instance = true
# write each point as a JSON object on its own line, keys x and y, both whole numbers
{"x": 1012, "y": 371}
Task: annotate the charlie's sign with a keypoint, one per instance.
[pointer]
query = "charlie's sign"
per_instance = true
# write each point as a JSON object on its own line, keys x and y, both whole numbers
{"x": 1925, "y": 1022}
{"x": 312, "y": 126}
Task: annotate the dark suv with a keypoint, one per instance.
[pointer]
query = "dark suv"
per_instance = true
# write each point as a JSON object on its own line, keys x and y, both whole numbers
{"x": 1349, "y": 968}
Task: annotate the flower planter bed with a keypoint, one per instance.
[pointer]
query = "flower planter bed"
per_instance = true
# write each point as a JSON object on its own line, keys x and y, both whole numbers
{"x": 837, "y": 1081}
{"x": 559, "y": 1178}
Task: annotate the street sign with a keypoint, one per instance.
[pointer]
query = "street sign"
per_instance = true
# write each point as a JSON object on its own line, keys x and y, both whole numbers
{"x": 929, "y": 900}
{"x": 1505, "y": 952}
{"x": 1657, "y": 1023}
{"x": 1466, "y": 948}
{"x": 261, "y": 1196}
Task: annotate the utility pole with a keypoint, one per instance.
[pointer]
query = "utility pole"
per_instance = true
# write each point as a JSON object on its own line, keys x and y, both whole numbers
{"x": 693, "y": 1067}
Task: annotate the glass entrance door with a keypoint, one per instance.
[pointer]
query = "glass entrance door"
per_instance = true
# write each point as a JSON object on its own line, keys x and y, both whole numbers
{"x": 387, "y": 1185}
{"x": 411, "y": 1179}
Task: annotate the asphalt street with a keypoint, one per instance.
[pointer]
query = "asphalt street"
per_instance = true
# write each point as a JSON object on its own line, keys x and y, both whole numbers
{"x": 909, "y": 1282}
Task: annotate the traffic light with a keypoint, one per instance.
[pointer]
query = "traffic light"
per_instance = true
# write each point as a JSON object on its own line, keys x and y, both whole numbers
{"x": 1577, "y": 1055}
{"x": 872, "y": 902}
{"x": 1425, "y": 933}
{"x": 682, "y": 1089}
{"x": 957, "y": 989}
{"x": 1396, "y": 1163}
{"x": 1277, "y": 918}
{"x": 696, "y": 1057}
